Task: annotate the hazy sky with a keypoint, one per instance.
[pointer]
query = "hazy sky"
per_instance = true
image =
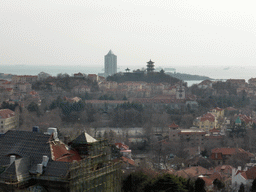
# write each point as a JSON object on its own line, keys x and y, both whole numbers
{"x": 170, "y": 32}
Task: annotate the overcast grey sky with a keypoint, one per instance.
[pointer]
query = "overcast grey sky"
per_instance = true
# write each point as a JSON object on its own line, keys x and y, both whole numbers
{"x": 170, "y": 32}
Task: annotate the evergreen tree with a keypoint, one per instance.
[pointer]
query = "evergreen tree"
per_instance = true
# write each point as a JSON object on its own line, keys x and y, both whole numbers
{"x": 241, "y": 189}
{"x": 253, "y": 188}
{"x": 33, "y": 107}
{"x": 199, "y": 185}
{"x": 218, "y": 184}
{"x": 125, "y": 98}
{"x": 135, "y": 182}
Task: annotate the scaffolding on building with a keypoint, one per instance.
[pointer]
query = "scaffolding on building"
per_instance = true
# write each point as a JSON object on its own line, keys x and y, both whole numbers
{"x": 97, "y": 172}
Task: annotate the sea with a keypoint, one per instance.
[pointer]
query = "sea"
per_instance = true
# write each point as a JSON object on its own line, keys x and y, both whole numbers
{"x": 213, "y": 72}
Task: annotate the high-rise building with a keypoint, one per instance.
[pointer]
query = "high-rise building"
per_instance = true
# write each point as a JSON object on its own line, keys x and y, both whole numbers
{"x": 110, "y": 64}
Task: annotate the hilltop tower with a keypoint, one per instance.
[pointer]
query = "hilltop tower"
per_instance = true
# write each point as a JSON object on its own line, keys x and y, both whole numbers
{"x": 150, "y": 66}
{"x": 110, "y": 64}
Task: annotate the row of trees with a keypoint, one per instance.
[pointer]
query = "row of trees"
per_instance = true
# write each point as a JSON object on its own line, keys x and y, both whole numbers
{"x": 11, "y": 106}
{"x": 124, "y": 115}
{"x": 65, "y": 82}
{"x": 146, "y": 181}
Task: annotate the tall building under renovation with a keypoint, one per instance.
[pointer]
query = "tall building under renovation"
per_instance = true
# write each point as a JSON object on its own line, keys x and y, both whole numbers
{"x": 110, "y": 64}
{"x": 40, "y": 161}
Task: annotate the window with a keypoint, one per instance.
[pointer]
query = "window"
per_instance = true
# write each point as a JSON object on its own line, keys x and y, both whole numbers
{"x": 2, "y": 122}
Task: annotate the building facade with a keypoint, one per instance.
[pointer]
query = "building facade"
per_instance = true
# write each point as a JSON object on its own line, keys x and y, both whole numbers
{"x": 24, "y": 78}
{"x": 8, "y": 120}
{"x": 110, "y": 64}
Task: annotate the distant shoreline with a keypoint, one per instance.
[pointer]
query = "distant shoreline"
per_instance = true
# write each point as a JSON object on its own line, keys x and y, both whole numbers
{"x": 189, "y": 77}
{"x": 186, "y": 73}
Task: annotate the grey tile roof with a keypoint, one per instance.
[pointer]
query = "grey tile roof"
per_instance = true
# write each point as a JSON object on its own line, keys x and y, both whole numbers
{"x": 9, "y": 174}
{"x": 29, "y": 149}
{"x": 25, "y": 144}
{"x": 56, "y": 169}
{"x": 17, "y": 171}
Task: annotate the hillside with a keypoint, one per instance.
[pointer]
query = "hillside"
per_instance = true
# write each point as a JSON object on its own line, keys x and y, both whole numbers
{"x": 156, "y": 77}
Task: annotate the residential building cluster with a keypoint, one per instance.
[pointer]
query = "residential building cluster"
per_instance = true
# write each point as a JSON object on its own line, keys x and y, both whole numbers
{"x": 241, "y": 86}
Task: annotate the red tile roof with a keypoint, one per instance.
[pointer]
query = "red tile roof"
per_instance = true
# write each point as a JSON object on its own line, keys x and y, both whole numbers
{"x": 192, "y": 172}
{"x": 7, "y": 82}
{"x": 106, "y": 101}
{"x": 251, "y": 173}
{"x": 9, "y": 89}
{"x": 216, "y": 156}
{"x": 208, "y": 116}
{"x": 122, "y": 146}
{"x": 245, "y": 118}
{"x": 214, "y": 130}
{"x": 228, "y": 151}
{"x": 218, "y": 109}
{"x": 173, "y": 125}
{"x": 208, "y": 181}
{"x": 78, "y": 74}
{"x": 230, "y": 109}
{"x": 6, "y": 113}
{"x": 216, "y": 175}
{"x": 60, "y": 152}
{"x": 33, "y": 93}
{"x": 92, "y": 75}
{"x": 127, "y": 160}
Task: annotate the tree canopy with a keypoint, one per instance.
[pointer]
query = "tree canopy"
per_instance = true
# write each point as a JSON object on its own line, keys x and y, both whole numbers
{"x": 140, "y": 181}
{"x": 154, "y": 77}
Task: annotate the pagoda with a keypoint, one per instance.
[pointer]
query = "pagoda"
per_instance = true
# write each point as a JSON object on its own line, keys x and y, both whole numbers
{"x": 150, "y": 66}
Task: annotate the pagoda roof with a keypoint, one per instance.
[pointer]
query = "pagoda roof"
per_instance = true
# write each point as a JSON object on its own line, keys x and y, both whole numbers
{"x": 151, "y": 62}
{"x": 173, "y": 125}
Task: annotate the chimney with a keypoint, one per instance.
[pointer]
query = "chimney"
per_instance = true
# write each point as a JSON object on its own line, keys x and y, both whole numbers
{"x": 35, "y": 129}
{"x": 12, "y": 158}
{"x": 239, "y": 168}
{"x": 52, "y": 130}
{"x": 233, "y": 174}
{"x": 45, "y": 160}
{"x": 39, "y": 168}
